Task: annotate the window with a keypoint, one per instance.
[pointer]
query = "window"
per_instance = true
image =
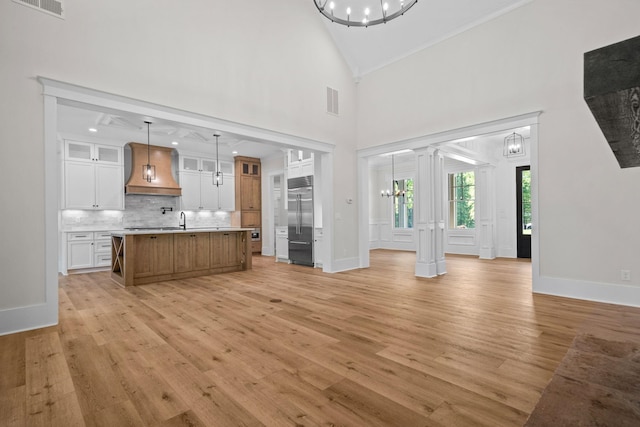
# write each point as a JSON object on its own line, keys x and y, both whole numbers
{"x": 462, "y": 200}
{"x": 403, "y": 203}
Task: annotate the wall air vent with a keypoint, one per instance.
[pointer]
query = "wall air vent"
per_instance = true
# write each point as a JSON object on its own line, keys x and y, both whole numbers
{"x": 332, "y": 101}
{"x": 52, "y": 7}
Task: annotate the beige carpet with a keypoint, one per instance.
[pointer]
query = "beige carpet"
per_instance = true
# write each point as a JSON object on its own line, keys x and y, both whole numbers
{"x": 596, "y": 384}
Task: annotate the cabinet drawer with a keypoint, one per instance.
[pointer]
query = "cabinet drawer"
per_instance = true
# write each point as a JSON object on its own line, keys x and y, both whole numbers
{"x": 102, "y": 235}
{"x": 102, "y": 246}
{"x": 282, "y": 232}
{"x": 102, "y": 260}
{"x": 86, "y": 235}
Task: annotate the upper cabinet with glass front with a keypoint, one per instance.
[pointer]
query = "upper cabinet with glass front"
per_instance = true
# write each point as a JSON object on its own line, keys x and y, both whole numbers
{"x": 88, "y": 152}
{"x": 202, "y": 164}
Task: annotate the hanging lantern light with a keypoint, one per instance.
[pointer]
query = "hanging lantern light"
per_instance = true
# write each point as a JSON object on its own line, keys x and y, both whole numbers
{"x": 148, "y": 170}
{"x": 218, "y": 178}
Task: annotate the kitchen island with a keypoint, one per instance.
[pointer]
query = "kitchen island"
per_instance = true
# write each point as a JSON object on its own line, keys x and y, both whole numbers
{"x": 141, "y": 256}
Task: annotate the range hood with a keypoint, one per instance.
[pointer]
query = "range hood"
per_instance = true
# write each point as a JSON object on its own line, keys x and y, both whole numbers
{"x": 164, "y": 184}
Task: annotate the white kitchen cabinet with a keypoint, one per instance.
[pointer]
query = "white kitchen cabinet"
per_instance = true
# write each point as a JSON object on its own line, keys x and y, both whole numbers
{"x": 93, "y": 186}
{"x": 88, "y": 249}
{"x": 80, "y": 250}
{"x": 199, "y": 192}
{"x": 299, "y": 163}
{"x": 93, "y": 176}
{"x": 282, "y": 243}
{"x": 102, "y": 249}
{"x": 79, "y": 255}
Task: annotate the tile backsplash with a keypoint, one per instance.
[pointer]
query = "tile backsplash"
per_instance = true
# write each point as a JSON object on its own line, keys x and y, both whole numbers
{"x": 141, "y": 211}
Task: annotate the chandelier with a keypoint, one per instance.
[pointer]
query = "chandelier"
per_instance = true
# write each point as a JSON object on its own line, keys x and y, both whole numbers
{"x": 513, "y": 145}
{"x": 396, "y": 190}
{"x": 362, "y": 13}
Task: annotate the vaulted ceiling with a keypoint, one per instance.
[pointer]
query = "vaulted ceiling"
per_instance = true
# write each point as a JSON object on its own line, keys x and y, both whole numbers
{"x": 364, "y": 49}
{"x": 426, "y": 23}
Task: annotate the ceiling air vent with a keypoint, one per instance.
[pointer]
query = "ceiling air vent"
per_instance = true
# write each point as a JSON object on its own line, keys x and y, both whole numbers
{"x": 52, "y": 7}
{"x": 332, "y": 101}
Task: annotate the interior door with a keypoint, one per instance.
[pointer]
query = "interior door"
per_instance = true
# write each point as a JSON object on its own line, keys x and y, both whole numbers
{"x": 523, "y": 206}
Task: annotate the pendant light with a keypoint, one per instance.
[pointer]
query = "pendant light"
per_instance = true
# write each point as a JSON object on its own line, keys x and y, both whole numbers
{"x": 394, "y": 183}
{"x": 513, "y": 145}
{"x": 388, "y": 192}
{"x": 148, "y": 170}
{"x": 217, "y": 178}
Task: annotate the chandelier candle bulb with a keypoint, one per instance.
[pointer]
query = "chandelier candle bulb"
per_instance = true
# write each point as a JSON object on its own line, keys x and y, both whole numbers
{"x": 368, "y": 12}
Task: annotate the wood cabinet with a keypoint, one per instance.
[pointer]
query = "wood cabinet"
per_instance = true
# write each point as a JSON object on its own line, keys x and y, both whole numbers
{"x": 249, "y": 195}
{"x": 226, "y": 249}
{"x": 148, "y": 258}
{"x": 191, "y": 252}
{"x": 93, "y": 177}
{"x": 153, "y": 254}
{"x": 250, "y": 187}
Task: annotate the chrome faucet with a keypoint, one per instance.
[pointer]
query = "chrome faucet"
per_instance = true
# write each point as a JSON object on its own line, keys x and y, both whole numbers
{"x": 183, "y": 221}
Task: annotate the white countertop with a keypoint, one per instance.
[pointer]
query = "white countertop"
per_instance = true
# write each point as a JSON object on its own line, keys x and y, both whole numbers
{"x": 172, "y": 230}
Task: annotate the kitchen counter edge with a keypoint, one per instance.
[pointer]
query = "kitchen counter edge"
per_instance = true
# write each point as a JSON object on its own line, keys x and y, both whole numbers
{"x": 179, "y": 231}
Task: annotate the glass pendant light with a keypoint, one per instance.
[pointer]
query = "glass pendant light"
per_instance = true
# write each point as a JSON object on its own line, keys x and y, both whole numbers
{"x": 217, "y": 178}
{"x": 148, "y": 170}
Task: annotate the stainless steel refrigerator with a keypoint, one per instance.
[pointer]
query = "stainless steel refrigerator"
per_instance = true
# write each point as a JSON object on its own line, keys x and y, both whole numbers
{"x": 300, "y": 215}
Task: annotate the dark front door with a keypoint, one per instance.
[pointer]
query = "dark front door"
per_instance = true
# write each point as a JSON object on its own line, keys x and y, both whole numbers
{"x": 523, "y": 202}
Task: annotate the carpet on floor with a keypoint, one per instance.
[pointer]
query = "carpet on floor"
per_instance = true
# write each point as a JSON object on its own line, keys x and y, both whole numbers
{"x": 596, "y": 384}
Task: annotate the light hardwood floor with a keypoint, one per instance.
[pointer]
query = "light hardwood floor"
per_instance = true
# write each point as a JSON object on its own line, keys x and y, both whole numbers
{"x": 286, "y": 345}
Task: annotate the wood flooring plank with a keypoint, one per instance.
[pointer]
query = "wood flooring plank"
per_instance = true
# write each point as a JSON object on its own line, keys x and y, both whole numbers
{"x": 91, "y": 372}
{"x": 367, "y": 347}
{"x": 146, "y": 386}
{"x": 50, "y": 392}
{"x": 13, "y": 406}
{"x": 371, "y": 408}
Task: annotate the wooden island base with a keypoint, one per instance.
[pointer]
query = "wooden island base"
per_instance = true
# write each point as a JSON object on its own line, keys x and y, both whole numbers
{"x": 138, "y": 259}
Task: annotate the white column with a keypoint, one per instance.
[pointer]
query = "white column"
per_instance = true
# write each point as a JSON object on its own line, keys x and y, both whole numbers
{"x": 424, "y": 213}
{"x": 485, "y": 211}
{"x": 440, "y": 209}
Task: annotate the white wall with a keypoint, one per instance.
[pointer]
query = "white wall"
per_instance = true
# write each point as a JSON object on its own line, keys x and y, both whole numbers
{"x": 266, "y": 64}
{"x": 528, "y": 60}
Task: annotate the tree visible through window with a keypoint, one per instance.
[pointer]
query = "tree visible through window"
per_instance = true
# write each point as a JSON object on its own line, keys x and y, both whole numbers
{"x": 462, "y": 200}
{"x": 526, "y": 202}
{"x": 403, "y": 203}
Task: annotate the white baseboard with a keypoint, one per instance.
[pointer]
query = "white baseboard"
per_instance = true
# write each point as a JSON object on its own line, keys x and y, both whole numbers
{"x": 611, "y": 293}
{"x": 344, "y": 264}
{"x": 27, "y": 318}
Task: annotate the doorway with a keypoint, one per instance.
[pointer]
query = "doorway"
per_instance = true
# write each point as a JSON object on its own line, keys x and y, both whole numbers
{"x": 523, "y": 206}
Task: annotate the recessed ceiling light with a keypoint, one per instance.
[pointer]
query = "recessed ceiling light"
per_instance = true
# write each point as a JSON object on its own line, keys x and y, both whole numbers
{"x": 93, "y": 130}
{"x": 234, "y": 152}
{"x": 174, "y": 142}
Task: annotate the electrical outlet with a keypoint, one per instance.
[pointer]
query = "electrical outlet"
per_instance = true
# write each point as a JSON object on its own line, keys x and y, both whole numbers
{"x": 625, "y": 275}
